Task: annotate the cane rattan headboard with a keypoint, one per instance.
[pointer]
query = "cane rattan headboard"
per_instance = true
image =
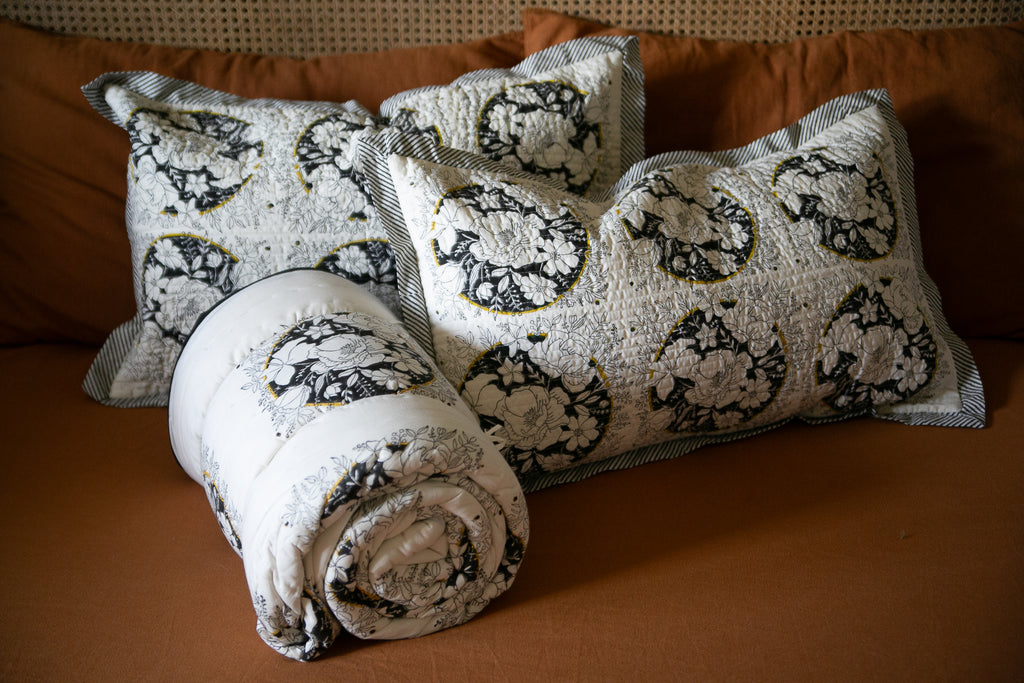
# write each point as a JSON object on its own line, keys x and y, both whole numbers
{"x": 311, "y": 27}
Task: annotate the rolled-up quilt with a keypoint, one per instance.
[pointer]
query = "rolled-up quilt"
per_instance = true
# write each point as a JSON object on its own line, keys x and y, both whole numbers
{"x": 342, "y": 467}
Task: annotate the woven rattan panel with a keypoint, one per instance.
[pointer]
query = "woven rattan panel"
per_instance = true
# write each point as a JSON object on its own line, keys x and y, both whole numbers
{"x": 310, "y": 27}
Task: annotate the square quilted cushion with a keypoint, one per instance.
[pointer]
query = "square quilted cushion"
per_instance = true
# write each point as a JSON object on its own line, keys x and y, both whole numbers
{"x": 957, "y": 91}
{"x": 64, "y": 260}
{"x": 225, "y": 190}
{"x": 708, "y": 296}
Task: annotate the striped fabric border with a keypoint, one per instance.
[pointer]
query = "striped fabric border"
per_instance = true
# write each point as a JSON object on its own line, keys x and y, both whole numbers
{"x": 375, "y": 149}
{"x": 104, "y": 369}
{"x": 972, "y": 413}
{"x": 175, "y": 91}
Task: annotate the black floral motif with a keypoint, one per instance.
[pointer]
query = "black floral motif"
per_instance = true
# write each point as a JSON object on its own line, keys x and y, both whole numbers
{"x": 345, "y": 589}
{"x": 318, "y": 631}
{"x": 325, "y": 159}
{"x": 361, "y": 478}
{"x": 852, "y": 208}
{"x": 405, "y": 120}
{"x": 871, "y": 355}
{"x": 465, "y": 564}
{"x": 543, "y": 128}
{"x": 220, "y": 511}
{"x": 546, "y": 421}
{"x": 712, "y": 377}
{"x": 196, "y": 160}
{"x": 510, "y": 256}
{"x": 182, "y": 277}
{"x": 303, "y": 635}
{"x": 509, "y": 566}
{"x": 700, "y": 239}
{"x": 332, "y": 360}
{"x": 363, "y": 261}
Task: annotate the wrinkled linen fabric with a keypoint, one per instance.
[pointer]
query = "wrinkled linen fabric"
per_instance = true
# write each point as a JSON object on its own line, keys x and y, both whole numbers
{"x": 342, "y": 467}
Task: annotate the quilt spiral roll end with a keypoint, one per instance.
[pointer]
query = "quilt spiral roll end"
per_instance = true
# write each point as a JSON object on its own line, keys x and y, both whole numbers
{"x": 358, "y": 489}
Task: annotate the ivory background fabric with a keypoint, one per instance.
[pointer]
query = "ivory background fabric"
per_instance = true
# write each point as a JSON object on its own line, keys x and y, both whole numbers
{"x": 859, "y": 550}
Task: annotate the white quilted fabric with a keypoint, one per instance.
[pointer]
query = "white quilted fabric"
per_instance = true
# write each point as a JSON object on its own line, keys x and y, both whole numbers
{"x": 709, "y": 295}
{"x": 358, "y": 489}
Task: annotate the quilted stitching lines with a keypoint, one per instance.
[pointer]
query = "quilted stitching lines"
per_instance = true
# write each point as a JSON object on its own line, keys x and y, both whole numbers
{"x": 545, "y": 418}
{"x": 542, "y": 127}
{"x": 183, "y": 276}
{"x": 715, "y": 372}
{"x": 702, "y": 233}
{"x": 325, "y": 163}
{"x": 191, "y": 161}
{"x": 870, "y": 354}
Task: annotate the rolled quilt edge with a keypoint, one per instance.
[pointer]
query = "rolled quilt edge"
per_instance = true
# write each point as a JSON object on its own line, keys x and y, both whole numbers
{"x": 412, "y": 530}
{"x": 359, "y": 490}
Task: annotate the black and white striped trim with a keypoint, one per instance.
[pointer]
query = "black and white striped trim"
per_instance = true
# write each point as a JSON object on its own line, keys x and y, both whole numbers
{"x": 108, "y": 361}
{"x": 173, "y": 93}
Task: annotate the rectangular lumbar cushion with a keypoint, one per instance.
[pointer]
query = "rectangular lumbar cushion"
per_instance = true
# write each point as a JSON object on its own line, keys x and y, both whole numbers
{"x": 706, "y": 296}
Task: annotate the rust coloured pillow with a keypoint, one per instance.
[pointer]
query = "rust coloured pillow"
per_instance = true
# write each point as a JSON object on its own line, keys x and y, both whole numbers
{"x": 959, "y": 93}
{"x": 64, "y": 257}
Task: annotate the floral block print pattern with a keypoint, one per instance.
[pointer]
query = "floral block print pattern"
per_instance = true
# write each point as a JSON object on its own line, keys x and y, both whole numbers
{"x": 701, "y": 232}
{"x": 520, "y": 261}
{"x": 359, "y": 491}
{"x": 715, "y": 372}
{"x": 276, "y": 185}
{"x": 570, "y": 144}
{"x": 851, "y": 205}
{"x": 337, "y": 359}
{"x": 707, "y": 296}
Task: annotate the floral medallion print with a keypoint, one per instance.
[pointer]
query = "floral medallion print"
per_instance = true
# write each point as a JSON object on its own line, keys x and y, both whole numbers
{"x": 191, "y": 162}
{"x": 407, "y": 121}
{"x": 423, "y": 584}
{"x": 333, "y": 360}
{"x": 505, "y": 254}
{"x": 712, "y": 375}
{"x": 543, "y": 128}
{"x": 303, "y": 636}
{"x": 324, "y": 160}
{"x": 224, "y": 512}
{"x": 219, "y": 507}
{"x": 873, "y": 355}
{"x": 183, "y": 276}
{"x": 363, "y": 262}
{"x": 702, "y": 234}
{"x": 545, "y": 418}
{"x": 851, "y": 205}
